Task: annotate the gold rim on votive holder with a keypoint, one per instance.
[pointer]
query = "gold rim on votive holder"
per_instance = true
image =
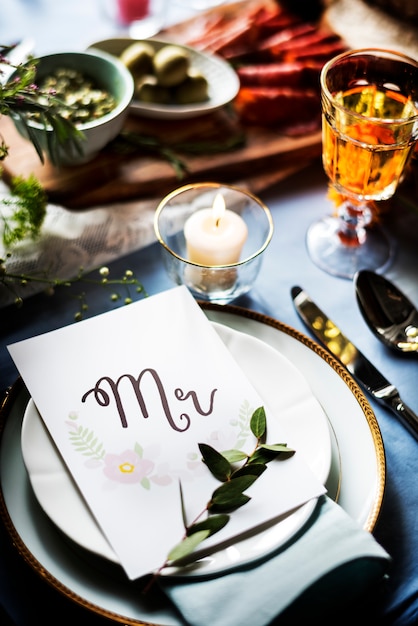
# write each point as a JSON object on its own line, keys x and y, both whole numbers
{"x": 220, "y": 283}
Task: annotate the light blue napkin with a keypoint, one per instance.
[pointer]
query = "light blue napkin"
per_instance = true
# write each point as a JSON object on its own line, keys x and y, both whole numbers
{"x": 332, "y": 558}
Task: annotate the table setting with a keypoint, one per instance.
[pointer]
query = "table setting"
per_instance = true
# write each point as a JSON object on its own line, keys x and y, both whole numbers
{"x": 200, "y": 421}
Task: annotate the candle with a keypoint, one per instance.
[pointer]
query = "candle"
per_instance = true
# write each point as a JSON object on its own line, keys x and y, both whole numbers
{"x": 215, "y": 236}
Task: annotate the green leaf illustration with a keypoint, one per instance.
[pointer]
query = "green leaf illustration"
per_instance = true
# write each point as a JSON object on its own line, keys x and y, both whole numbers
{"x": 85, "y": 442}
{"x": 139, "y": 450}
{"x": 145, "y": 483}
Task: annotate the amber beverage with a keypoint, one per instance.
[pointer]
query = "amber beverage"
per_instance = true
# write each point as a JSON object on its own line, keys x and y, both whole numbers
{"x": 369, "y": 101}
{"x": 366, "y": 155}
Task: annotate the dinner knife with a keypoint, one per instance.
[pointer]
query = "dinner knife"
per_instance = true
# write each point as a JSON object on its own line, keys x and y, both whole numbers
{"x": 364, "y": 372}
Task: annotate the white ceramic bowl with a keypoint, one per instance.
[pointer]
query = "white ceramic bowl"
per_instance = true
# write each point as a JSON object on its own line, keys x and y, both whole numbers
{"x": 109, "y": 74}
{"x": 222, "y": 80}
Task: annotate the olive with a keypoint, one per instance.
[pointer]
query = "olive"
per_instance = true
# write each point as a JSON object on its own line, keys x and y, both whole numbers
{"x": 138, "y": 58}
{"x": 149, "y": 90}
{"x": 193, "y": 89}
{"x": 171, "y": 64}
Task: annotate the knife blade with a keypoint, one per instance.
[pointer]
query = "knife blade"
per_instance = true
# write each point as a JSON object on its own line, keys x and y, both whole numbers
{"x": 362, "y": 370}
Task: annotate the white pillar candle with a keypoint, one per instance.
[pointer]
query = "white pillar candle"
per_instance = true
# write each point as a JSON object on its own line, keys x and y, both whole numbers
{"x": 215, "y": 236}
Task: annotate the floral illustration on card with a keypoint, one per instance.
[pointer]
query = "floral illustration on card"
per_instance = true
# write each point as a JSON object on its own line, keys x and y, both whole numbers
{"x": 140, "y": 465}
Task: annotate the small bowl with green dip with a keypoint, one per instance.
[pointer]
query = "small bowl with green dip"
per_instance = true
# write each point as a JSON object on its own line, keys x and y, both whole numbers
{"x": 93, "y": 90}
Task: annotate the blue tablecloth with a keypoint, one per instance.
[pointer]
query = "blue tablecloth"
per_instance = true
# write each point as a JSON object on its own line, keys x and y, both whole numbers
{"x": 24, "y": 596}
{"x": 294, "y": 205}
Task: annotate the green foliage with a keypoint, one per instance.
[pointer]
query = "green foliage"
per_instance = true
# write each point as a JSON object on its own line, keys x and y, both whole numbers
{"x": 187, "y": 545}
{"x": 28, "y": 202}
{"x": 128, "y": 282}
{"x": 217, "y": 463}
{"x": 20, "y": 100}
{"x": 236, "y": 478}
{"x": 258, "y": 422}
{"x": 213, "y": 523}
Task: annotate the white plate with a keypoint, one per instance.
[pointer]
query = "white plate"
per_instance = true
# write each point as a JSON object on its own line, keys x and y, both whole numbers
{"x": 223, "y": 82}
{"x": 284, "y": 391}
{"x": 359, "y": 450}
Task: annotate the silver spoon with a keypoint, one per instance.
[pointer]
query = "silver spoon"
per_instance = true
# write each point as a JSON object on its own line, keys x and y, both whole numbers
{"x": 390, "y": 315}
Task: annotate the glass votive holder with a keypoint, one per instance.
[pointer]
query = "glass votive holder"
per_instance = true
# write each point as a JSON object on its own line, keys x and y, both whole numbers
{"x": 213, "y": 237}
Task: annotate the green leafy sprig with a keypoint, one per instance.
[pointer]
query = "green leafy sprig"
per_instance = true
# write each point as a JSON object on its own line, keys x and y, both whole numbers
{"x": 28, "y": 202}
{"x": 20, "y": 100}
{"x": 128, "y": 282}
{"x": 237, "y": 471}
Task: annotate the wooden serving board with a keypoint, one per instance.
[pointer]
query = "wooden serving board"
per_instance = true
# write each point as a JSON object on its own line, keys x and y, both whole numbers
{"x": 267, "y": 156}
{"x": 113, "y": 176}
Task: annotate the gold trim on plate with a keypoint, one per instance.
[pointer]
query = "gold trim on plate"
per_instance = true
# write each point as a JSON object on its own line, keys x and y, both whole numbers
{"x": 18, "y": 392}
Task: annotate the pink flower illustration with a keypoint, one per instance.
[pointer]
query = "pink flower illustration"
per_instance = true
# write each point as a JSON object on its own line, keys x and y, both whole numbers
{"x": 127, "y": 467}
{"x": 223, "y": 441}
{"x": 162, "y": 475}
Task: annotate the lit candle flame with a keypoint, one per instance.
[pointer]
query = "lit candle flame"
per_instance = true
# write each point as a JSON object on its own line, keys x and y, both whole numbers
{"x": 218, "y": 208}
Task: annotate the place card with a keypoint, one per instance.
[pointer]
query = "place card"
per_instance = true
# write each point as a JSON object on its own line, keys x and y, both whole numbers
{"x": 127, "y": 396}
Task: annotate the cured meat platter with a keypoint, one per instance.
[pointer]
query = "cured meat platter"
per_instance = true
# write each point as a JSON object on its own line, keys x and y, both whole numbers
{"x": 272, "y": 127}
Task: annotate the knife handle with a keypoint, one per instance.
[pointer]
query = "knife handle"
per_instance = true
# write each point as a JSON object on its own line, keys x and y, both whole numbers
{"x": 402, "y": 411}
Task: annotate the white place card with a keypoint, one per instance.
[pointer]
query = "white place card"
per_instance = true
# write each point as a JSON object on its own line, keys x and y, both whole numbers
{"x": 127, "y": 396}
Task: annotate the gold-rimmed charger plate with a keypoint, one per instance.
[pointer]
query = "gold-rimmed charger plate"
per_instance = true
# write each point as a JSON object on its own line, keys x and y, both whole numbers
{"x": 358, "y": 470}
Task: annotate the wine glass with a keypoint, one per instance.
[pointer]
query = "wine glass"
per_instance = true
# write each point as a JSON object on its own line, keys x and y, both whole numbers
{"x": 369, "y": 129}
{"x": 141, "y": 18}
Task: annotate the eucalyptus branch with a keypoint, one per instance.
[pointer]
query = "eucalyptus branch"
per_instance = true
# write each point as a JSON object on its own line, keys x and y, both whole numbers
{"x": 237, "y": 471}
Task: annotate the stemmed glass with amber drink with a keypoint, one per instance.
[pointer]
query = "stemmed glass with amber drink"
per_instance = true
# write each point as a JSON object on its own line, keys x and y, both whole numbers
{"x": 369, "y": 129}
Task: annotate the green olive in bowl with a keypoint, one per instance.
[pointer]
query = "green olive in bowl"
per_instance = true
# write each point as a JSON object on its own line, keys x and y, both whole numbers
{"x": 193, "y": 89}
{"x": 149, "y": 90}
{"x": 171, "y": 64}
{"x": 138, "y": 58}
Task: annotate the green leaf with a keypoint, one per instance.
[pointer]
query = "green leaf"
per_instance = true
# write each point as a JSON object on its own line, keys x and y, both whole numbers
{"x": 183, "y": 508}
{"x": 229, "y": 504}
{"x": 28, "y": 202}
{"x": 230, "y": 494}
{"x": 234, "y": 456}
{"x": 218, "y": 465}
{"x": 258, "y": 423}
{"x": 214, "y": 523}
{"x": 262, "y": 456}
{"x": 254, "y": 469}
{"x": 276, "y": 447}
{"x": 187, "y": 545}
